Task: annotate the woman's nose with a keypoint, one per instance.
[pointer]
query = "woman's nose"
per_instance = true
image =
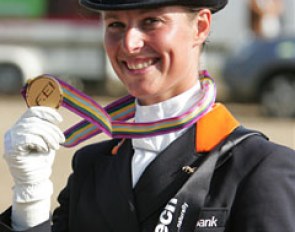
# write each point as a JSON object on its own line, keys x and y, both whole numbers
{"x": 133, "y": 40}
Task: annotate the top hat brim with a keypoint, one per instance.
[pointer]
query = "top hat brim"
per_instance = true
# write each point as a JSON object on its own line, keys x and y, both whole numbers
{"x": 104, "y": 5}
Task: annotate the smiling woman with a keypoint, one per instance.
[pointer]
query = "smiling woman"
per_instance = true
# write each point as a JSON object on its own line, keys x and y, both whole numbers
{"x": 145, "y": 48}
{"x": 183, "y": 163}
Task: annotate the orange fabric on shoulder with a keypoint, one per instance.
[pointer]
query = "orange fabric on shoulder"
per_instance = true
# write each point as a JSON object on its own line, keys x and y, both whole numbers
{"x": 215, "y": 126}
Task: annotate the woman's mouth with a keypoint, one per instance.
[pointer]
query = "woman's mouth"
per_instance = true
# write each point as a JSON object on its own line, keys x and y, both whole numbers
{"x": 140, "y": 64}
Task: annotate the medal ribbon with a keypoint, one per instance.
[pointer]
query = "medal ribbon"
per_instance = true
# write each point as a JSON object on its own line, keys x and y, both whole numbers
{"x": 113, "y": 119}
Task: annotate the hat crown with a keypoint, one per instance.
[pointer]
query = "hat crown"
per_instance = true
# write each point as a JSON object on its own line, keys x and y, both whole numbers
{"x": 96, "y": 5}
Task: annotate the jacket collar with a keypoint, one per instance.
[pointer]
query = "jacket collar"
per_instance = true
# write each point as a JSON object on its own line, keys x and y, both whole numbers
{"x": 214, "y": 127}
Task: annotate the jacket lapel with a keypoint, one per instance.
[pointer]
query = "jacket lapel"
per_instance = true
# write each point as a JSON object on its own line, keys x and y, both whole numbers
{"x": 114, "y": 191}
{"x": 164, "y": 176}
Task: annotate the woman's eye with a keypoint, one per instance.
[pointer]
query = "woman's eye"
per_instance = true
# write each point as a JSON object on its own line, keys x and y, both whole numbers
{"x": 151, "y": 22}
{"x": 115, "y": 25}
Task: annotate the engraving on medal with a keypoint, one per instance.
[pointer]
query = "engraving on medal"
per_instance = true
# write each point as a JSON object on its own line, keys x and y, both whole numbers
{"x": 44, "y": 91}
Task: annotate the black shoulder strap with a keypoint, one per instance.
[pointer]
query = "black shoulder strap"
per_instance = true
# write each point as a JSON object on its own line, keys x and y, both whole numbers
{"x": 183, "y": 210}
{"x": 239, "y": 134}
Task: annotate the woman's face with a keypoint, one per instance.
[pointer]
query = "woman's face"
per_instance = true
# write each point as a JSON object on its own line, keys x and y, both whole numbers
{"x": 155, "y": 52}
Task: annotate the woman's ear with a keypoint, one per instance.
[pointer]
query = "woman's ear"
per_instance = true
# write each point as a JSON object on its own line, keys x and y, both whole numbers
{"x": 203, "y": 26}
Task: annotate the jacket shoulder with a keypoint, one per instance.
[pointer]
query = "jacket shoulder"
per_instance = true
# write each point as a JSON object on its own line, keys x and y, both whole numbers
{"x": 253, "y": 159}
{"x": 266, "y": 171}
{"x": 258, "y": 151}
{"x": 259, "y": 146}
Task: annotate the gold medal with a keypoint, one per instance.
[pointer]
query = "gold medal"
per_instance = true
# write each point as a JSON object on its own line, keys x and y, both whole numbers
{"x": 44, "y": 91}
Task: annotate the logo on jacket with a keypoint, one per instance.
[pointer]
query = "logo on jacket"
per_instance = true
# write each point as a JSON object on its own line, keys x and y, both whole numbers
{"x": 211, "y": 222}
{"x": 166, "y": 216}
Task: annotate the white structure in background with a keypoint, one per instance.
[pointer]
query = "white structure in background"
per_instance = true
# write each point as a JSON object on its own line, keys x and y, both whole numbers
{"x": 71, "y": 51}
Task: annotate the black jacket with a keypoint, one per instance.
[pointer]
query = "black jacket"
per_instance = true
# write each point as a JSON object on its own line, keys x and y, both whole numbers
{"x": 252, "y": 189}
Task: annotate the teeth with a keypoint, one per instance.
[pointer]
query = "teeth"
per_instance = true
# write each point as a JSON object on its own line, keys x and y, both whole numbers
{"x": 135, "y": 66}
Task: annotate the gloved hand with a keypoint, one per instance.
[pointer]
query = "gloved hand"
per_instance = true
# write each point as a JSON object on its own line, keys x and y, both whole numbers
{"x": 30, "y": 147}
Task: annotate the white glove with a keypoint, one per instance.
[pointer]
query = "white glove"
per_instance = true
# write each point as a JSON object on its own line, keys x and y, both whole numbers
{"x": 30, "y": 147}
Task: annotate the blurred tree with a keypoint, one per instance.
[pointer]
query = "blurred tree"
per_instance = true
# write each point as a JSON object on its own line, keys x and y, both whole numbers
{"x": 21, "y": 8}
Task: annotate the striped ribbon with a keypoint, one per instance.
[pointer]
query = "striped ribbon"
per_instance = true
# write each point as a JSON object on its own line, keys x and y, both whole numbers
{"x": 113, "y": 119}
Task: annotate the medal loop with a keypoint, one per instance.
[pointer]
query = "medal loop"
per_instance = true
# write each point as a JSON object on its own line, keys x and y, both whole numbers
{"x": 113, "y": 119}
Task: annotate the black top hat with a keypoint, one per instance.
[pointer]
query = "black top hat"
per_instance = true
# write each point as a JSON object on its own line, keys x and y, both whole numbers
{"x": 214, "y": 5}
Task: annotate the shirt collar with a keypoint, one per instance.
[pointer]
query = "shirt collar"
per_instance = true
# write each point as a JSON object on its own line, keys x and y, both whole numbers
{"x": 169, "y": 108}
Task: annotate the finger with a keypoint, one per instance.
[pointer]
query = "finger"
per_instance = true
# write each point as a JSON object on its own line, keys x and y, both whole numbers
{"x": 52, "y": 135}
{"x": 45, "y": 113}
{"x": 38, "y": 126}
{"x": 28, "y": 143}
